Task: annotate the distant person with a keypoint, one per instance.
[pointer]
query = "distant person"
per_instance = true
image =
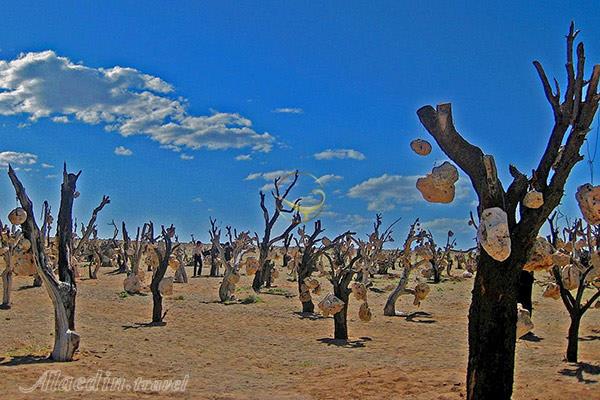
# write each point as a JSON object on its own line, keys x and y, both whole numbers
{"x": 198, "y": 258}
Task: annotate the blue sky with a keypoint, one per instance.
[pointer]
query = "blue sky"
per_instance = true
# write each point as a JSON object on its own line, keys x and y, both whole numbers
{"x": 330, "y": 88}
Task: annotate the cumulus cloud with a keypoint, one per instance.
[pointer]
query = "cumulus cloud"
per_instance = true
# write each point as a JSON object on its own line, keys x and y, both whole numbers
{"x": 186, "y": 157}
{"x": 121, "y": 99}
{"x": 243, "y": 157}
{"x": 288, "y": 110}
{"x": 443, "y": 225}
{"x": 123, "y": 151}
{"x": 341, "y": 154}
{"x": 325, "y": 179}
{"x": 61, "y": 120}
{"x": 16, "y": 158}
{"x": 269, "y": 176}
{"x": 45, "y": 165}
{"x": 385, "y": 192}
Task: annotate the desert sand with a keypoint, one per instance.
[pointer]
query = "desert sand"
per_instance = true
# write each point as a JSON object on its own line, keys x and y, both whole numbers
{"x": 267, "y": 350}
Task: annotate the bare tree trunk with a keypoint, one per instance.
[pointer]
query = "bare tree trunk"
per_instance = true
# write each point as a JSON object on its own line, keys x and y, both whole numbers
{"x": 572, "y": 347}
{"x": 7, "y": 281}
{"x": 159, "y": 274}
{"x": 390, "y": 305}
{"x": 61, "y": 292}
{"x": 340, "y": 320}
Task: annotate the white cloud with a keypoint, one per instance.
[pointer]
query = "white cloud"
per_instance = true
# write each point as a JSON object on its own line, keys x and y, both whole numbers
{"x": 197, "y": 199}
{"x": 288, "y": 110}
{"x": 121, "y": 99}
{"x": 63, "y": 119}
{"x": 385, "y": 192}
{"x": 123, "y": 151}
{"x": 52, "y": 176}
{"x": 15, "y": 158}
{"x": 243, "y": 157}
{"x": 269, "y": 176}
{"x": 347, "y": 221}
{"x": 186, "y": 157}
{"x": 325, "y": 179}
{"x": 330, "y": 154}
{"x": 44, "y": 165}
{"x": 443, "y": 225}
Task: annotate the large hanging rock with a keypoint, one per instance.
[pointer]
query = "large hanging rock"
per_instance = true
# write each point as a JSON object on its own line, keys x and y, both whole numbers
{"x": 493, "y": 234}
{"x": 174, "y": 263}
{"x": 524, "y": 324}
{"x": 421, "y": 147}
{"x": 533, "y": 199}
{"x": 311, "y": 283}
{"x": 570, "y": 276}
{"x": 561, "y": 259}
{"x": 360, "y": 291}
{"x": 541, "y": 256}
{"x": 552, "y": 290}
{"x": 24, "y": 265}
{"x": 165, "y": 286}
{"x": 438, "y": 186}
{"x": 331, "y": 305}
{"x": 234, "y": 278}
{"x": 17, "y": 216}
{"x": 588, "y": 198}
{"x": 251, "y": 265}
{"x": 364, "y": 313}
{"x": 421, "y": 291}
{"x": 467, "y": 274}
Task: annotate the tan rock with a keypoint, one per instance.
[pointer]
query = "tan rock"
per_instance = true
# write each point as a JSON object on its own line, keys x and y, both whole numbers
{"x": 360, "y": 291}
{"x": 165, "y": 286}
{"x": 17, "y": 216}
{"x": 493, "y": 234}
{"x": 364, "y": 313}
{"x": 533, "y": 199}
{"x": 552, "y": 290}
{"x": 541, "y": 256}
{"x": 570, "y": 276}
{"x": 331, "y": 305}
{"x": 421, "y": 147}
{"x": 588, "y": 198}
{"x": 524, "y": 324}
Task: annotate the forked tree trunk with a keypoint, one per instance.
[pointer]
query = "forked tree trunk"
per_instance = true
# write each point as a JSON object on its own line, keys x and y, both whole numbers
{"x": 62, "y": 291}
{"x": 492, "y": 329}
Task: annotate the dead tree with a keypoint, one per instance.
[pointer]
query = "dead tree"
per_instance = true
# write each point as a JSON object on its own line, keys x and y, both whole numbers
{"x": 262, "y": 276}
{"x": 493, "y": 311}
{"x": 440, "y": 256}
{"x": 10, "y": 244}
{"x": 135, "y": 277}
{"x": 159, "y": 273}
{"x": 62, "y": 291}
{"x": 239, "y": 244}
{"x": 85, "y": 235}
{"x": 309, "y": 251}
{"x": 343, "y": 268}
{"x": 180, "y": 274}
{"x": 582, "y": 272}
{"x": 215, "y": 236}
{"x": 415, "y": 235}
{"x": 372, "y": 249}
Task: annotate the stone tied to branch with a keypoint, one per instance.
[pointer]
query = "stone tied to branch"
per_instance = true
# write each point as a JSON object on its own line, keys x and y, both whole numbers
{"x": 438, "y": 186}
{"x": 588, "y": 198}
{"x": 421, "y": 147}
{"x": 493, "y": 234}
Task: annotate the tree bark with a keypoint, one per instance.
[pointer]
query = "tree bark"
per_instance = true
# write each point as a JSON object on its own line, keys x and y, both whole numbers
{"x": 340, "y": 320}
{"x": 7, "y": 281}
{"x": 525, "y": 291}
{"x": 572, "y": 347}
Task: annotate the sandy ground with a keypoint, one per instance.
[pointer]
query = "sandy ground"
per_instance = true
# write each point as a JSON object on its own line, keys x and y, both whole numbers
{"x": 268, "y": 351}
